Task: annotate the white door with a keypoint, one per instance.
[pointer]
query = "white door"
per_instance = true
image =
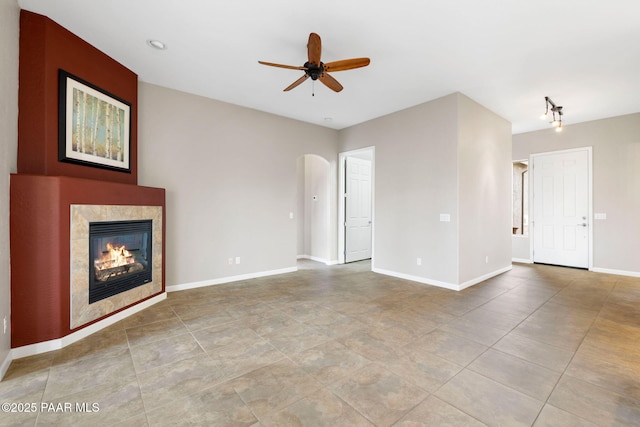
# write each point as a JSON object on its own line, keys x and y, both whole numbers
{"x": 357, "y": 209}
{"x": 561, "y": 208}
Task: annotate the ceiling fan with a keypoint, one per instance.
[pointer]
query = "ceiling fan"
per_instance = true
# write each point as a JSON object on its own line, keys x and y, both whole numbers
{"x": 318, "y": 70}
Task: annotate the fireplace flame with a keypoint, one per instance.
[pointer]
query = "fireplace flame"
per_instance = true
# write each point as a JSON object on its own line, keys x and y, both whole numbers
{"x": 115, "y": 256}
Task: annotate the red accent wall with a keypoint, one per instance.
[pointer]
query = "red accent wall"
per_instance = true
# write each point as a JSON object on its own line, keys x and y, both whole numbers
{"x": 44, "y": 188}
{"x": 45, "y": 48}
{"x": 40, "y": 234}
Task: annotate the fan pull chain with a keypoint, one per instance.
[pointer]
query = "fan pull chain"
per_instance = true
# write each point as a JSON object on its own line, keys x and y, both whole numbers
{"x": 313, "y": 88}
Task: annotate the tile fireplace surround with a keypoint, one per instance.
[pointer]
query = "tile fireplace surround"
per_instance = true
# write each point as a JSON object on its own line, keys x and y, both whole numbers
{"x": 49, "y": 219}
{"x": 81, "y": 215}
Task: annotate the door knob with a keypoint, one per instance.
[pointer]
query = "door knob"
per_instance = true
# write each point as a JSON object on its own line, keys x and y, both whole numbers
{"x": 584, "y": 224}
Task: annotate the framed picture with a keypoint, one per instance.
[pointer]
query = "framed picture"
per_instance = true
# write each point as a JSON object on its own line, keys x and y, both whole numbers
{"x": 94, "y": 126}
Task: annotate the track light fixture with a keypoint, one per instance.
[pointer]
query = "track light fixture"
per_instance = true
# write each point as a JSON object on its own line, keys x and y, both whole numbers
{"x": 556, "y": 111}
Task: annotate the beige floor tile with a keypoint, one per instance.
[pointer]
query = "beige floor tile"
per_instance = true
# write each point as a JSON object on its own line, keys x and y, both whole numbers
{"x": 161, "y": 385}
{"x": 377, "y": 344}
{"x": 615, "y": 337}
{"x": 117, "y": 401}
{"x": 199, "y": 317}
{"x": 554, "y": 358}
{"x": 270, "y": 322}
{"x": 239, "y": 359}
{"x": 329, "y": 362}
{"x": 525, "y": 377}
{"x": 217, "y": 406}
{"x": 295, "y": 338}
{"x": 98, "y": 344}
{"x": 380, "y": 395}
{"x": 221, "y": 335}
{"x": 489, "y": 401}
{"x": 369, "y": 344}
{"x": 600, "y": 406}
{"x": 321, "y": 408}
{"x": 274, "y": 387}
{"x": 163, "y": 352}
{"x": 88, "y": 373}
{"x": 607, "y": 369}
{"x": 336, "y": 327}
{"x": 474, "y": 331}
{"x": 434, "y": 412}
{"x": 150, "y": 332}
{"x": 155, "y": 313}
{"x": 557, "y": 325}
{"x": 550, "y": 416}
{"x": 446, "y": 345}
{"x": 424, "y": 369}
{"x": 576, "y": 295}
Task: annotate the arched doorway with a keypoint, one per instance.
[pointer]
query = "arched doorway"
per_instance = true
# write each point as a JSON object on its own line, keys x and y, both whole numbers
{"x": 313, "y": 208}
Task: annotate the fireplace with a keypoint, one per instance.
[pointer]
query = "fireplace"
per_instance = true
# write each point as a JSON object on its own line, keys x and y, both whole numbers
{"x": 101, "y": 285}
{"x": 120, "y": 254}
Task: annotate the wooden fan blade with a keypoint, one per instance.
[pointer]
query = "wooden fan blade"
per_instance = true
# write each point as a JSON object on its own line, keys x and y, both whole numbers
{"x": 330, "y": 82}
{"x": 314, "y": 49}
{"x": 296, "y": 83}
{"x": 291, "y": 67}
{"x": 346, "y": 64}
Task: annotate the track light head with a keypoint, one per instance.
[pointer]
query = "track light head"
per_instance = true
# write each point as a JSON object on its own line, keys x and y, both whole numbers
{"x": 556, "y": 111}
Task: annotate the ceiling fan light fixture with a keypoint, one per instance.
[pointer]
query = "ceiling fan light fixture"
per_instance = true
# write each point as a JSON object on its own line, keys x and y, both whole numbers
{"x": 157, "y": 44}
{"x": 318, "y": 70}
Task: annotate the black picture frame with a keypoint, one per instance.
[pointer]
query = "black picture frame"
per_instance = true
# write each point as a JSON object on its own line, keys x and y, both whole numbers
{"x": 94, "y": 125}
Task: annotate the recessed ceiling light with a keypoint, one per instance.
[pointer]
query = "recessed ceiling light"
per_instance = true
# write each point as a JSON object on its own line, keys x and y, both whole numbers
{"x": 328, "y": 119}
{"x": 157, "y": 44}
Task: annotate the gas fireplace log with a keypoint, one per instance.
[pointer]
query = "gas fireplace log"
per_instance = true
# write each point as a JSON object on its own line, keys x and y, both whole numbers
{"x": 108, "y": 273}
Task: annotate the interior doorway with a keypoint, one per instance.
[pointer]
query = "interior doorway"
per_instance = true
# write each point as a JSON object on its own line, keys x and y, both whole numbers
{"x": 313, "y": 208}
{"x": 562, "y": 208}
{"x": 355, "y": 208}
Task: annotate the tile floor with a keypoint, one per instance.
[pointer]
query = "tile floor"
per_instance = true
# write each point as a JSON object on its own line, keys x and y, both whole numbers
{"x": 343, "y": 346}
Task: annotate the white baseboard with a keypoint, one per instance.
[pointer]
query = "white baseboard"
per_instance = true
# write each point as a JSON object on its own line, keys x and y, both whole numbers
{"x": 484, "y": 277}
{"x": 4, "y": 366}
{"x": 317, "y": 259}
{"x": 522, "y": 260}
{"x": 617, "y": 272}
{"x": 203, "y": 283}
{"x": 418, "y": 279}
{"x": 440, "y": 284}
{"x": 57, "y": 344}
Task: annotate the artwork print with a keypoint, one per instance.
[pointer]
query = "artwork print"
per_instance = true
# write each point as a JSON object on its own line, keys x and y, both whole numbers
{"x": 94, "y": 126}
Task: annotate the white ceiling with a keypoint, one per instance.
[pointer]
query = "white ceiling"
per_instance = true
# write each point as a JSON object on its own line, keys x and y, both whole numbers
{"x": 505, "y": 54}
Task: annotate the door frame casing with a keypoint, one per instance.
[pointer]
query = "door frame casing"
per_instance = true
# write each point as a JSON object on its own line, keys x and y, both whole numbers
{"x": 532, "y": 157}
{"x": 341, "y": 203}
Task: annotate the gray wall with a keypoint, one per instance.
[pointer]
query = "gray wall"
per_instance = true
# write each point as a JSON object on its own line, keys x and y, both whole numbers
{"x": 416, "y": 180}
{"x": 230, "y": 175}
{"x": 9, "y": 34}
{"x": 616, "y": 184}
{"x": 448, "y": 156}
{"x": 484, "y": 190}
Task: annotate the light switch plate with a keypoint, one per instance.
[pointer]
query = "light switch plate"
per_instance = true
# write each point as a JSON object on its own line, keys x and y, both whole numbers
{"x": 600, "y": 216}
{"x": 445, "y": 217}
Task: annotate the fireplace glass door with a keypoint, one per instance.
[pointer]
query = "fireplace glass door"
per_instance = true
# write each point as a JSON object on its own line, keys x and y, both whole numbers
{"x": 119, "y": 257}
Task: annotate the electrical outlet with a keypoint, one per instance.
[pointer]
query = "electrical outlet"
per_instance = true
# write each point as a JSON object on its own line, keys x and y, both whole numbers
{"x": 419, "y": 261}
{"x": 230, "y": 261}
{"x": 486, "y": 259}
{"x": 237, "y": 260}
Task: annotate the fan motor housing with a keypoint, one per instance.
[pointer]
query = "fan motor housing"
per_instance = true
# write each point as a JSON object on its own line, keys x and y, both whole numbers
{"x": 314, "y": 71}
